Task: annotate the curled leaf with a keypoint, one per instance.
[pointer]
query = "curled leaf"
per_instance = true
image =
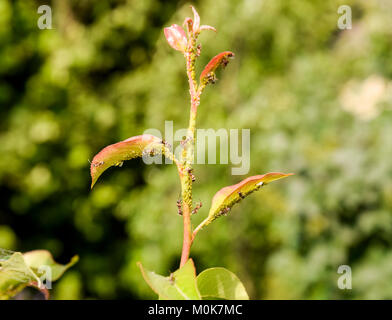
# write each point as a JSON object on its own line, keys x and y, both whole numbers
{"x": 115, "y": 154}
{"x": 18, "y": 271}
{"x": 176, "y": 37}
{"x": 227, "y": 197}
{"x": 37, "y": 258}
{"x": 208, "y": 74}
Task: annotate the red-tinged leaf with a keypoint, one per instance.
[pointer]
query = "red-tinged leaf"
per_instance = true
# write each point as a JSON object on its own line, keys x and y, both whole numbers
{"x": 205, "y": 27}
{"x": 227, "y": 197}
{"x": 176, "y": 37}
{"x": 115, "y": 154}
{"x": 222, "y": 59}
{"x": 196, "y": 21}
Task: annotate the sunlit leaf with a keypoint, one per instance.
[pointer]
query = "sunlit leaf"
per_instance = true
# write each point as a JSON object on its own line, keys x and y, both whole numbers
{"x": 222, "y": 59}
{"x": 176, "y": 37}
{"x": 222, "y": 284}
{"x": 20, "y": 270}
{"x": 180, "y": 285}
{"x": 227, "y": 197}
{"x": 115, "y": 154}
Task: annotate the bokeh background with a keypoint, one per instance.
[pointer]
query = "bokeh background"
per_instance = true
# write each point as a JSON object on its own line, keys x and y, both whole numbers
{"x": 317, "y": 100}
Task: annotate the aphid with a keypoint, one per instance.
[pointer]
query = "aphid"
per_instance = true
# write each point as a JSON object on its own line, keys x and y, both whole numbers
{"x": 215, "y": 62}
{"x": 241, "y": 195}
{"x": 179, "y": 206}
{"x": 211, "y": 78}
{"x": 198, "y": 206}
{"x": 259, "y": 185}
{"x": 150, "y": 152}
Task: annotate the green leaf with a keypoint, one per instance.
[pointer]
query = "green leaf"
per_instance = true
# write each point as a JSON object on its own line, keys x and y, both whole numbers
{"x": 227, "y": 197}
{"x": 180, "y": 285}
{"x": 19, "y": 270}
{"x": 37, "y": 258}
{"x": 220, "y": 283}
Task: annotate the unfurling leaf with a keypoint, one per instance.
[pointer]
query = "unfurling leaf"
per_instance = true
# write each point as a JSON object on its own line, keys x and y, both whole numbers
{"x": 176, "y": 37}
{"x": 194, "y": 25}
{"x": 18, "y": 270}
{"x": 220, "y": 283}
{"x": 208, "y": 74}
{"x": 180, "y": 285}
{"x": 227, "y": 197}
{"x": 196, "y": 21}
{"x": 115, "y": 154}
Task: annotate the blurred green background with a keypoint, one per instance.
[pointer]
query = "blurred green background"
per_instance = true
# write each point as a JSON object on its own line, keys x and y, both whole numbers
{"x": 316, "y": 99}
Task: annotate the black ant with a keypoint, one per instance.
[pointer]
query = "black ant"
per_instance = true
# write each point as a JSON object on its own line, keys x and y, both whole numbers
{"x": 241, "y": 195}
{"x": 224, "y": 211}
{"x": 190, "y": 172}
{"x": 198, "y": 50}
{"x": 166, "y": 144}
{"x": 97, "y": 164}
{"x": 179, "y": 206}
{"x": 198, "y": 206}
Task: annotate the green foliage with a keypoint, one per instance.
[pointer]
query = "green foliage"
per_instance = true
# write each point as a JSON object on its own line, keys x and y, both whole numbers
{"x": 93, "y": 80}
{"x": 180, "y": 285}
{"x": 213, "y": 283}
{"x": 220, "y": 283}
{"x": 19, "y": 270}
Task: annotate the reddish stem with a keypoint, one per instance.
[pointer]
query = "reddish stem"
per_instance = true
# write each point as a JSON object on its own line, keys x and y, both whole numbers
{"x": 187, "y": 242}
{"x": 186, "y": 180}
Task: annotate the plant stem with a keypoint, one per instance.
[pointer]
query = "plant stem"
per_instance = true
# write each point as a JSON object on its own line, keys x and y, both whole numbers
{"x": 187, "y": 242}
{"x": 199, "y": 227}
{"x": 188, "y": 152}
